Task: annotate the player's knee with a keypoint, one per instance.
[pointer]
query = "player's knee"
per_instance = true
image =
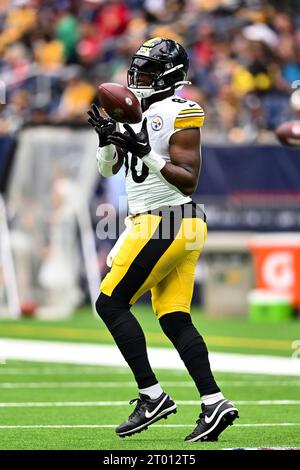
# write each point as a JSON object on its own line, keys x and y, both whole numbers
{"x": 173, "y": 323}
{"x": 102, "y": 306}
{"x": 108, "y": 307}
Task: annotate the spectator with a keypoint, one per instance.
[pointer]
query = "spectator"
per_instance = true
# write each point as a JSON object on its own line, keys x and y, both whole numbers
{"x": 239, "y": 72}
{"x": 76, "y": 99}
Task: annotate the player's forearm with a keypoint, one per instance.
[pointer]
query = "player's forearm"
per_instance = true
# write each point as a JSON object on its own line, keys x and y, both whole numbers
{"x": 106, "y": 158}
{"x": 182, "y": 178}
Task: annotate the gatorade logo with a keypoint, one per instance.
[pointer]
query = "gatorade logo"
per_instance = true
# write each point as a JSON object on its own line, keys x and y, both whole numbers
{"x": 278, "y": 271}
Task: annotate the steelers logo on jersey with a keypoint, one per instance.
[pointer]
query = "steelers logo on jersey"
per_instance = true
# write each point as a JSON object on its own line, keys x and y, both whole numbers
{"x": 157, "y": 123}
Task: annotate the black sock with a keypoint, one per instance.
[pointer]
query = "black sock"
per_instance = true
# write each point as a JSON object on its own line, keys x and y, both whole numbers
{"x": 178, "y": 327}
{"x": 129, "y": 337}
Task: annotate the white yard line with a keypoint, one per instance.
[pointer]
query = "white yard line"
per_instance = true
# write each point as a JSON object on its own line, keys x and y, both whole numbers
{"x": 131, "y": 384}
{"x": 16, "y": 385}
{"x": 124, "y": 403}
{"x": 160, "y": 358}
{"x": 96, "y": 426}
{"x": 73, "y": 369}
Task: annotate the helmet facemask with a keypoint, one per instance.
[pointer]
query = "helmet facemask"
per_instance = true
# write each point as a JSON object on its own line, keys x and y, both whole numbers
{"x": 143, "y": 75}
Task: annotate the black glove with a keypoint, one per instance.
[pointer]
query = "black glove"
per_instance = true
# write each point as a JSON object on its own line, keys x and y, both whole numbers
{"x": 138, "y": 144}
{"x": 103, "y": 127}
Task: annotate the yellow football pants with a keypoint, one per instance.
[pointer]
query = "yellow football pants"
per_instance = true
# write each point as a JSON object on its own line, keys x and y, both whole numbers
{"x": 161, "y": 262}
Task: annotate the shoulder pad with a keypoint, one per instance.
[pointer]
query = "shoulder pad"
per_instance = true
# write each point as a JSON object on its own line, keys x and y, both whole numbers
{"x": 190, "y": 115}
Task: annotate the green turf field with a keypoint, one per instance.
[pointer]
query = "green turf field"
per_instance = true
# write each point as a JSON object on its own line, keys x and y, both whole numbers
{"x": 77, "y": 407}
{"x": 221, "y": 334}
{"x": 62, "y": 406}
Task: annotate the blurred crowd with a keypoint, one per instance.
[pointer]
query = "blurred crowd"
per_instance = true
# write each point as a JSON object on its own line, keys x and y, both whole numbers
{"x": 244, "y": 55}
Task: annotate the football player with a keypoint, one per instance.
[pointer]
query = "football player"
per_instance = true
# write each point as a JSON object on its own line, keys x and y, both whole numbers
{"x": 160, "y": 248}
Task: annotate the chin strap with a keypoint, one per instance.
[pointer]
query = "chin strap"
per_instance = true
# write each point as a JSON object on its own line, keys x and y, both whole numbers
{"x": 183, "y": 83}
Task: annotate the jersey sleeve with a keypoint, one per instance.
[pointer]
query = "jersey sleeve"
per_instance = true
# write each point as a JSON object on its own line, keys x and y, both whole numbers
{"x": 190, "y": 115}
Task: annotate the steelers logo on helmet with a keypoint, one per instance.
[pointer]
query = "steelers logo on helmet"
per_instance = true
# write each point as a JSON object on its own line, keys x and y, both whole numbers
{"x": 146, "y": 46}
{"x": 159, "y": 65}
{"x": 157, "y": 123}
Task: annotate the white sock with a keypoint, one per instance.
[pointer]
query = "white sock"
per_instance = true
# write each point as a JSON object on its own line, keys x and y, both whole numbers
{"x": 153, "y": 392}
{"x": 213, "y": 398}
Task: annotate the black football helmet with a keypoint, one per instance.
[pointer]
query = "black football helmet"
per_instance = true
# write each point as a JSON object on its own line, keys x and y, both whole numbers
{"x": 159, "y": 65}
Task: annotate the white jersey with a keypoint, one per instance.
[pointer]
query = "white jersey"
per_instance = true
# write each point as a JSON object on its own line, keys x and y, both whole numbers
{"x": 147, "y": 190}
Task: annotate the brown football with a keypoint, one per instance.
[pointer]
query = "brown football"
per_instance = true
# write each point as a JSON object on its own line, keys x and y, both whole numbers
{"x": 288, "y": 133}
{"x": 119, "y": 103}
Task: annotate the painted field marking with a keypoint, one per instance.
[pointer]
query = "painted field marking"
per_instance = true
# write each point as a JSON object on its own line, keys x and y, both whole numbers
{"x": 179, "y": 384}
{"x": 160, "y": 358}
{"x": 93, "y": 426}
{"x": 124, "y": 403}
